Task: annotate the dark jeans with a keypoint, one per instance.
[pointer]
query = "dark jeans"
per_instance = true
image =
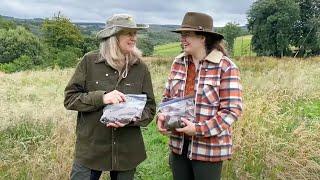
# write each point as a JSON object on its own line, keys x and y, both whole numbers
{"x": 185, "y": 169}
{"x": 79, "y": 172}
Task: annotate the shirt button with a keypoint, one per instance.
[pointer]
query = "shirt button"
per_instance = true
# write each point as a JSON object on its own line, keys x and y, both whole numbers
{"x": 114, "y": 142}
{"x": 107, "y": 75}
{"x": 97, "y": 82}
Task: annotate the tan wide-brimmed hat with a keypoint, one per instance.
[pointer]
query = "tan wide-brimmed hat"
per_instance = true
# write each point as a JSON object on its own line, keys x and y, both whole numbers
{"x": 199, "y": 22}
{"x": 119, "y": 22}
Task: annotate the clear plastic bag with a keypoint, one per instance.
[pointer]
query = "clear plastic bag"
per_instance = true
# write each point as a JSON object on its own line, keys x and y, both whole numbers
{"x": 175, "y": 109}
{"x": 130, "y": 110}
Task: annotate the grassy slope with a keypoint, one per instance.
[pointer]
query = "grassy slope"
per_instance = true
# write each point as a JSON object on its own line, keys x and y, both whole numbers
{"x": 241, "y": 48}
{"x": 167, "y": 50}
{"x": 277, "y": 137}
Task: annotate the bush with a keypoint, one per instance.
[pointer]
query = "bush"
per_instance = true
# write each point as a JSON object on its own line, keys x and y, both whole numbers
{"x": 6, "y": 24}
{"x": 20, "y": 64}
{"x": 17, "y": 42}
{"x": 146, "y": 46}
{"x": 68, "y": 57}
{"x": 90, "y": 43}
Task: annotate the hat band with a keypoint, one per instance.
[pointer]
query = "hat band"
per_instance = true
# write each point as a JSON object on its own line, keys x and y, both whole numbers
{"x": 122, "y": 25}
{"x": 200, "y": 28}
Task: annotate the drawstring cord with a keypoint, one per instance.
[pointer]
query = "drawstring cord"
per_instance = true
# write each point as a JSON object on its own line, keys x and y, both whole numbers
{"x": 125, "y": 72}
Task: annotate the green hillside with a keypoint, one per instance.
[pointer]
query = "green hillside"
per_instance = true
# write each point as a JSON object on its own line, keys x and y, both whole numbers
{"x": 241, "y": 48}
{"x": 167, "y": 50}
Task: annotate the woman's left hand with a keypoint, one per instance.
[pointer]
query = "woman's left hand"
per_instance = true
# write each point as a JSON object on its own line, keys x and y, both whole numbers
{"x": 116, "y": 124}
{"x": 189, "y": 129}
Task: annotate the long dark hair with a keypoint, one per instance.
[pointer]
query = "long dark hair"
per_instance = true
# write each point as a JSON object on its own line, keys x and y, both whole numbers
{"x": 213, "y": 42}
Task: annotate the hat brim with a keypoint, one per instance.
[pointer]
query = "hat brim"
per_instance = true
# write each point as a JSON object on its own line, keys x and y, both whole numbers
{"x": 218, "y": 35}
{"x": 108, "y": 32}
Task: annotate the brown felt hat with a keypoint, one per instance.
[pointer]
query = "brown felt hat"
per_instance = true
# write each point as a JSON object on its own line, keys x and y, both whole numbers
{"x": 199, "y": 22}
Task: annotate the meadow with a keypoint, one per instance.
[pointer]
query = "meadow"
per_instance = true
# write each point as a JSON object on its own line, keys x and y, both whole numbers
{"x": 276, "y": 138}
{"x": 241, "y": 46}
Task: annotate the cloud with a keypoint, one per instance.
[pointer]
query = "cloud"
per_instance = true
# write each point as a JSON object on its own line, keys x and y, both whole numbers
{"x": 145, "y": 11}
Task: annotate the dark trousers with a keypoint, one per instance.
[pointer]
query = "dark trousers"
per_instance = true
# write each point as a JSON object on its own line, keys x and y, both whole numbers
{"x": 79, "y": 172}
{"x": 185, "y": 169}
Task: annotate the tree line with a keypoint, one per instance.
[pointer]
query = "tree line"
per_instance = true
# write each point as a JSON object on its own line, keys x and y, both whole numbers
{"x": 285, "y": 27}
{"x": 279, "y": 28}
{"x": 57, "y": 42}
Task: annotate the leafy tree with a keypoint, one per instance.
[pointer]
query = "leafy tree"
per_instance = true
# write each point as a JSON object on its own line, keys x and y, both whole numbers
{"x": 59, "y": 32}
{"x": 271, "y": 22}
{"x": 5, "y": 24}
{"x": 17, "y": 42}
{"x": 145, "y": 45}
{"x": 68, "y": 57}
{"x": 307, "y": 28}
{"x": 230, "y": 31}
{"x": 161, "y": 37}
{"x": 89, "y": 43}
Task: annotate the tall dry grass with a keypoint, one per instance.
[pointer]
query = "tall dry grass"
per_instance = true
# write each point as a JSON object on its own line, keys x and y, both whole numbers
{"x": 277, "y": 137}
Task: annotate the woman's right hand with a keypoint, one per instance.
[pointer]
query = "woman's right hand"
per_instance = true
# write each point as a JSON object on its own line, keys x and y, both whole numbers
{"x": 160, "y": 124}
{"x": 114, "y": 97}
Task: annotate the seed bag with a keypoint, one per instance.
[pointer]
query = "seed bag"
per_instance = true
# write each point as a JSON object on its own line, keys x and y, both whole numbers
{"x": 175, "y": 109}
{"x": 125, "y": 112}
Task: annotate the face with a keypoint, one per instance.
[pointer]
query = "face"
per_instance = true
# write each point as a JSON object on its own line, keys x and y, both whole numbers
{"x": 127, "y": 40}
{"x": 191, "y": 42}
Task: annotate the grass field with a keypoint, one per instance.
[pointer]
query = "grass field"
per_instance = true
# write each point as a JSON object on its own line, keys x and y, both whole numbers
{"x": 277, "y": 137}
{"x": 167, "y": 50}
{"x": 241, "y": 48}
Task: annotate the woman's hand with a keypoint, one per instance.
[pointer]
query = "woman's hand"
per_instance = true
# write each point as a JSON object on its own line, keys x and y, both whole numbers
{"x": 160, "y": 124}
{"x": 114, "y": 97}
{"x": 116, "y": 124}
{"x": 189, "y": 129}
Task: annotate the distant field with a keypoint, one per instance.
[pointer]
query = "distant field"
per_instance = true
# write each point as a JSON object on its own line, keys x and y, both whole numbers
{"x": 167, "y": 50}
{"x": 241, "y": 48}
{"x": 277, "y": 137}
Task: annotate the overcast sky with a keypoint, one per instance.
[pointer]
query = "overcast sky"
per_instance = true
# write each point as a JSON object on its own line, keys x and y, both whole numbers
{"x": 145, "y": 11}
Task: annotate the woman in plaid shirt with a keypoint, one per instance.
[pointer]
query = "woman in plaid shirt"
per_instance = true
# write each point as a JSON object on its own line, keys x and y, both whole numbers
{"x": 205, "y": 71}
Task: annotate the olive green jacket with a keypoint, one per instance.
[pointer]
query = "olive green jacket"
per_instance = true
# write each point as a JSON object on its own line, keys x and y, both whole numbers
{"x": 97, "y": 146}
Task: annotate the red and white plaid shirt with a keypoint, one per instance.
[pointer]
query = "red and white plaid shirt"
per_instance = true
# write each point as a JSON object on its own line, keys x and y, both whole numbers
{"x": 218, "y": 99}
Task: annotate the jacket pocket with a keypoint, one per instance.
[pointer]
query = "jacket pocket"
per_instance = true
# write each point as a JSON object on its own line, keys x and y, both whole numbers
{"x": 96, "y": 85}
{"x": 210, "y": 92}
{"x": 81, "y": 126}
{"x": 176, "y": 86}
{"x": 132, "y": 88}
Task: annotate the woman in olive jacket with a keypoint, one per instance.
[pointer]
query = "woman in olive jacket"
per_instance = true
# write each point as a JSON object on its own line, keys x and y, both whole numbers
{"x": 102, "y": 78}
